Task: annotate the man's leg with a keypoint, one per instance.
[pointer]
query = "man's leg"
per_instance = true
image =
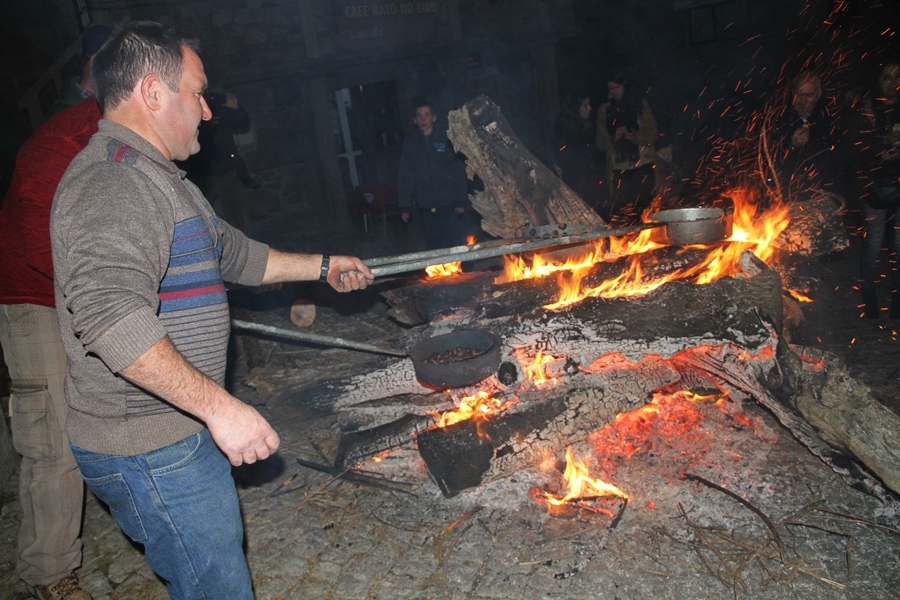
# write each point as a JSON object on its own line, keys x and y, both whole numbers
{"x": 873, "y": 241}
{"x": 51, "y": 491}
{"x": 181, "y": 504}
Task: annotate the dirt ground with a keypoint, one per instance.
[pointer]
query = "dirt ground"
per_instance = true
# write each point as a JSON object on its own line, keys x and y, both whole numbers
{"x": 791, "y": 529}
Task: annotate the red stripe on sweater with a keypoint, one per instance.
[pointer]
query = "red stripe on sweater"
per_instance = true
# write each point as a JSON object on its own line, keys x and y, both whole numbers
{"x": 212, "y": 289}
{"x": 120, "y": 153}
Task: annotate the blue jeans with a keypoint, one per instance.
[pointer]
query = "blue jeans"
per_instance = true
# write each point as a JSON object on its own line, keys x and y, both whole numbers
{"x": 181, "y": 504}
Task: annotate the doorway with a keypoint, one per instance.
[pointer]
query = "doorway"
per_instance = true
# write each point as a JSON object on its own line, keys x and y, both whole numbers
{"x": 368, "y": 134}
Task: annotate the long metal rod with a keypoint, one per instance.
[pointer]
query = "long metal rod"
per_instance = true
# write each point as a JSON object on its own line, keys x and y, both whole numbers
{"x": 420, "y": 260}
{"x": 445, "y": 252}
{"x": 314, "y": 338}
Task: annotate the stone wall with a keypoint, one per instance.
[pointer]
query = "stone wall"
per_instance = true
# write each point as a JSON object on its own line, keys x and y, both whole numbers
{"x": 278, "y": 57}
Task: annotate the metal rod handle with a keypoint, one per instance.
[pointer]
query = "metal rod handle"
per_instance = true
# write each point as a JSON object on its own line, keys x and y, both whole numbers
{"x": 324, "y": 340}
{"x": 415, "y": 261}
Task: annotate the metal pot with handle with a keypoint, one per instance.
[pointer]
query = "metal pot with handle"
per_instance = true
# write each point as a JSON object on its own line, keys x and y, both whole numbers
{"x": 697, "y": 225}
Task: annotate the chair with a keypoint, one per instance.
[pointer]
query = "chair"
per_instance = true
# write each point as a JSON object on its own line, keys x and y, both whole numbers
{"x": 377, "y": 200}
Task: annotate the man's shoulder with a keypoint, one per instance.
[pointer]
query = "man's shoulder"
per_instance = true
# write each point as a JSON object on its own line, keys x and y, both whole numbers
{"x": 108, "y": 162}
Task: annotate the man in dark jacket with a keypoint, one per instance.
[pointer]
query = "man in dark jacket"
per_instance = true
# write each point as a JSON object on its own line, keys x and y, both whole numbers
{"x": 433, "y": 177}
{"x": 810, "y": 146}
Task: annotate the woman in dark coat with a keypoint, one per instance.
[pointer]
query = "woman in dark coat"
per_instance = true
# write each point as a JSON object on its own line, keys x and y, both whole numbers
{"x": 577, "y": 160}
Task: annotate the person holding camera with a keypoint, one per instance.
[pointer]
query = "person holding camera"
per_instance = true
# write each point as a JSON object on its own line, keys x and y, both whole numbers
{"x": 627, "y": 134}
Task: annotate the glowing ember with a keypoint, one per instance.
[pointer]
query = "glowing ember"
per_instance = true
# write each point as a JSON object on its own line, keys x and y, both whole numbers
{"x": 480, "y": 406}
{"x": 581, "y": 485}
{"x": 799, "y": 297}
{"x": 381, "y": 456}
{"x": 445, "y": 270}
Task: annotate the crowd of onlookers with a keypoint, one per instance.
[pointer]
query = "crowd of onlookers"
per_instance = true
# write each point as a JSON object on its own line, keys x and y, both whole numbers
{"x": 849, "y": 149}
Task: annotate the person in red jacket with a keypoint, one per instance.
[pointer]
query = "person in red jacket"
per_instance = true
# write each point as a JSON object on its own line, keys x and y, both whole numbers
{"x": 51, "y": 490}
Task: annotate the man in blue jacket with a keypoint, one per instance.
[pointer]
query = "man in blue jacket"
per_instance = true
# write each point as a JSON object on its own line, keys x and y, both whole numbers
{"x": 432, "y": 177}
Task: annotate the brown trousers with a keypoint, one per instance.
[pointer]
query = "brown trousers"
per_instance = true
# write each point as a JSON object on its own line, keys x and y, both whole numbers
{"x": 51, "y": 491}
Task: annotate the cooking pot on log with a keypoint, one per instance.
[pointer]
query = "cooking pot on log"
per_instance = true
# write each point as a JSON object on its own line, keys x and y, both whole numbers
{"x": 697, "y": 225}
{"x": 456, "y": 359}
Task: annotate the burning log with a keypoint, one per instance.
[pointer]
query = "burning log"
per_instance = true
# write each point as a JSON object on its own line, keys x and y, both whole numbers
{"x": 519, "y": 190}
{"x": 728, "y": 305}
{"x": 610, "y": 354}
{"x": 827, "y": 411}
{"x": 476, "y": 451}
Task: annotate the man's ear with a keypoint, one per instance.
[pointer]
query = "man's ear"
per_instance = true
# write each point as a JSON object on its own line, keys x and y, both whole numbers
{"x": 151, "y": 91}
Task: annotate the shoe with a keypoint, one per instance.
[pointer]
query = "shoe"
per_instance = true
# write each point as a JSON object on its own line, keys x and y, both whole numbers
{"x": 871, "y": 310}
{"x": 66, "y": 588}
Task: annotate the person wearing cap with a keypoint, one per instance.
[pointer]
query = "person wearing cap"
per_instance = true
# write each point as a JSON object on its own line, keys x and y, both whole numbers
{"x": 79, "y": 88}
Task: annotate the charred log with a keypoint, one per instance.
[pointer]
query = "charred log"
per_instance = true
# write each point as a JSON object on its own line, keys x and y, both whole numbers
{"x": 473, "y": 452}
{"x": 817, "y": 226}
{"x": 519, "y": 190}
{"x": 822, "y": 416}
{"x": 846, "y": 415}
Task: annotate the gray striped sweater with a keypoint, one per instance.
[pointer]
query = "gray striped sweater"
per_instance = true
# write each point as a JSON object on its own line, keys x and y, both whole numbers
{"x": 138, "y": 254}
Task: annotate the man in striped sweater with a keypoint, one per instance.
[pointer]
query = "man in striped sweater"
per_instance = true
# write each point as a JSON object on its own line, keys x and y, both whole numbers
{"x": 141, "y": 260}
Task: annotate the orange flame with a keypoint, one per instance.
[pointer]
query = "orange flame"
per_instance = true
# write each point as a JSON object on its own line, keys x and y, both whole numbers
{"x": 580, "y": 484}
{"x": 799, "y": 297}
{"x": 750, "y": 231}
{"x": 534, "y": 372}
{"x": 480, "y": 406}
{"x": 381, "y": 456}
{"x": 444, "y": 270}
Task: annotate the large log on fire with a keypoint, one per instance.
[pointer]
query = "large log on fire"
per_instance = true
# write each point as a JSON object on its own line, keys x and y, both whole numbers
{"x": 519, "y": 190}
{"x": 677, "y": 310}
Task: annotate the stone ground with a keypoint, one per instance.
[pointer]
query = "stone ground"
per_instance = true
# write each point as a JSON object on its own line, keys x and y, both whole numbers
{"x": 310, "y": 536}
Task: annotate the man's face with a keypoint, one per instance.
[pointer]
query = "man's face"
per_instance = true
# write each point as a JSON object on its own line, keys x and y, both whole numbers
{"x": 425, "y": 119}
{"x": 616, "y": 90}
{"x": 806, "y": 96}
{"x": 183, "y": 110}
{"x": 889, "y": 82}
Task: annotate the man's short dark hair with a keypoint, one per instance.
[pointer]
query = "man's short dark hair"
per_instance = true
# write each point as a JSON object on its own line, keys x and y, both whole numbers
{"x": 133, "y": 51}
{"x": 421, "y": 102}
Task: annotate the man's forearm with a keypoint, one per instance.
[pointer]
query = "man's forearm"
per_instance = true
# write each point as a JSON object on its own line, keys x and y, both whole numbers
{"x": 242, "y": 434}
{"x": 164, "y": 372}
{"x": 283, "y": 266}
{"x": 344, "y": 273}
